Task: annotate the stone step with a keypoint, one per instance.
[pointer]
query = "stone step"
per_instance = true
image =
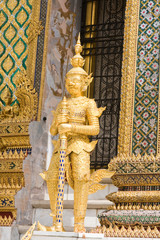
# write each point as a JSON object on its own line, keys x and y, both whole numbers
{"x": 22, "y": 229}
{"x": 37, "y": 235}
{"x": 41, "y": 212}
{"x": 69, "y": 204}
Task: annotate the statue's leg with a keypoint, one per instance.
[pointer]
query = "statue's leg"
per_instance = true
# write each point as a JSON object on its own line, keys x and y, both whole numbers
{"x": 81, "y": 175}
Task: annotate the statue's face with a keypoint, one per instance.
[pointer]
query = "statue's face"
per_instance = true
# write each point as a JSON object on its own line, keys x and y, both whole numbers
{"x": 74, "y": 85}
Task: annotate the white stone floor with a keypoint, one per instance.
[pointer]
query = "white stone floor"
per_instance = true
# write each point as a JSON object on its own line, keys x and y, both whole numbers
{"x": 38, "y": 235}
{"x": 73, "y": 236}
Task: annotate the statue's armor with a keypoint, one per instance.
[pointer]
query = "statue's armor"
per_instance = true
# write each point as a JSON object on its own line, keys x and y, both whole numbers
{"x": 79, "y": 110}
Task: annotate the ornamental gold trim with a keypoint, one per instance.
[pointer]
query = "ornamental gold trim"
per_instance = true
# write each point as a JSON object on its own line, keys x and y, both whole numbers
{"x": 135, "y": 206}
{"x": 128, "y": 77}
{"x": 6, "y": 221}
{"x": 134, "y": 196}
{"x": 158, "y": 130}
{"x": 130, "y": 232}
{"x": 31, "y": 64}
{"x": 11, "y": 181}
{"x": 44, "y": 58}
{"x": 122, "y": 180}
{"x": 32, "y": 47}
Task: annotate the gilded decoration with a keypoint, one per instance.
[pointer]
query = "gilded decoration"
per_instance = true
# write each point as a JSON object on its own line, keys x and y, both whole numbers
{"x": 145, "y": 126}
{"x": 11, "y": 181}
{"x": 135, "y": 206}
{"x": 19, "y": 99}
{"x": 137, "y": 203}
{"x": 128, "y": 77}
{"x": 134, "y": 196}
{"x": 15, "y": 118}
{"x": 135, "y": 164}
{"x": 38, "y": 42}
{"x": 130, "y": 232}
{"x": 35, "y": 29}
{"x": 15, "y": 19}
{"x": 137, "y": 178}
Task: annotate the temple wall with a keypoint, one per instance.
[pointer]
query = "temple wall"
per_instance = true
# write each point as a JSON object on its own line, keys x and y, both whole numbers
{"x": 64, "y": 28}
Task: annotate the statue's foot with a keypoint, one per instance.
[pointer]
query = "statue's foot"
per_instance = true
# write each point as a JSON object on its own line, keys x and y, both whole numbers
{"x": 79, "y": 228}
{"x": 59, "y": 228}
{"x": 45, "y": 228}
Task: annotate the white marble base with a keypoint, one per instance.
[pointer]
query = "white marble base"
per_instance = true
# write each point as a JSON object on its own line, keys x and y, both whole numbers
{"x": 9, "y": 233}
{"x": 39, "y": 235}
{"x": 91, "y": 220}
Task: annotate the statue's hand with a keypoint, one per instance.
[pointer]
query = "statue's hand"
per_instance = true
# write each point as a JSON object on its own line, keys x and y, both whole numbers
{"x": 64, "y": 128}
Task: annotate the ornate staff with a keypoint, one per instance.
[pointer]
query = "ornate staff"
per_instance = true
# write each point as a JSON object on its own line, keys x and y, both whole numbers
{"x": 63, "y": 114}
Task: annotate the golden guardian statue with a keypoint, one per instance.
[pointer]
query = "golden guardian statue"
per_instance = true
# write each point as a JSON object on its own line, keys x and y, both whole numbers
{"x": 75, "y": 119}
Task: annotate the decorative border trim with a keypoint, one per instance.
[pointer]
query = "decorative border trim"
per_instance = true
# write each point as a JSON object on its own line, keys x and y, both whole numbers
{"x": 158, "y": 124}
{"x": 44, "y": 58}
{"x": 128, "y": 77}
{"x": 32, "y": 52}
{"x": 33, "y": 66}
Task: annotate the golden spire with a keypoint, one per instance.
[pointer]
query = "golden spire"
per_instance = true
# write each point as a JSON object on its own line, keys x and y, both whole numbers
{"x": 77, "y": 61}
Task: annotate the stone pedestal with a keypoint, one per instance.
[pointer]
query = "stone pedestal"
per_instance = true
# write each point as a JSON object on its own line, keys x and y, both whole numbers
{"x": 39, "y": 235}
{"x": 9, "y": 233}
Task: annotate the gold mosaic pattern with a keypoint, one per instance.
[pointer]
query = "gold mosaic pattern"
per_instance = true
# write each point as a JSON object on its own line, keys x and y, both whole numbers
{"x": 145, "y": 124}
{"x": 20, "y": 27}
{"x": 15, "y": 16}
{"x": 128, "y": 76}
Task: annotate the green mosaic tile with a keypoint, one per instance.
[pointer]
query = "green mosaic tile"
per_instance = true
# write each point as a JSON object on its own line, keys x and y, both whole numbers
{"x": 2, "y": 49}
{"x": 11, "y": 5}
{"x": 29, "y": 4}
{"x": 15, "y": 17}
{"x": 13, "y": 76}
{"x": 4, "y": 19}
{"x": 147, "y": 80}
{"x": 19, "y": 47}
{"x": 1, "y": 79}
{"x": 24, "y": 62}
{"x": 21, "y": 16}
{"x": 10, "y": 33}
{"x": 8, "y": 64}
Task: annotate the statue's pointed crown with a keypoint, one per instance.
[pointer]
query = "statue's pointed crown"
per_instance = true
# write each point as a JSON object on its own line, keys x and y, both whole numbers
{"x": 77, "y": 60}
